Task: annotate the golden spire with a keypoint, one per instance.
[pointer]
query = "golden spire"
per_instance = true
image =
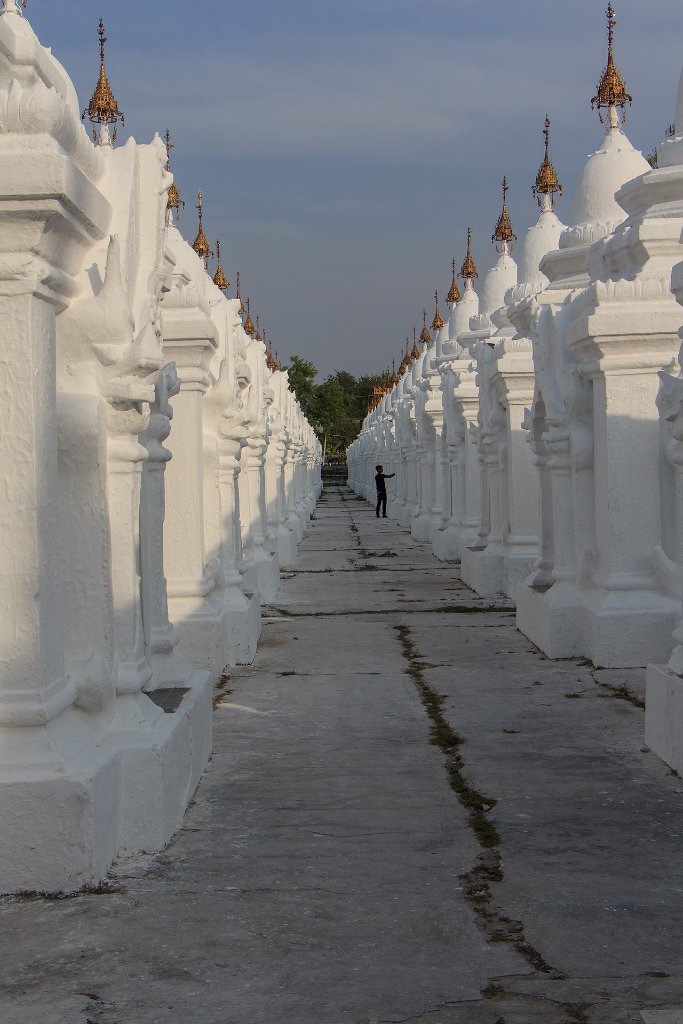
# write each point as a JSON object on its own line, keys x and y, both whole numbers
{"x": 612, "y": 88}
{"x": 258, "y": 330}
{"x": 103, "y": 108}
{"x": 468, "y": 269}
{"x": 394, "y": 375}
{"x": 547, "y": 182}
{"x": 249, "y": 325}
{"x": 405, "y": 361}
{"x": 174, "y": 201}
{"x": 414, "y": 352}
{"x": 454, "y": 293}
{"x": 437, "y": 322}
{"x": 425, "y": 336}
{"x": 270, "y": 362}
{"x": 504, "y": 232}
{"x": 241, "y": 310}
{"x": 219, "y": 278}
{"x": 201, "y": 244}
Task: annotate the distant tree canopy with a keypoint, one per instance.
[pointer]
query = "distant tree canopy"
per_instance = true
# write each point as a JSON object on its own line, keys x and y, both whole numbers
{"x": 336, "y": 408}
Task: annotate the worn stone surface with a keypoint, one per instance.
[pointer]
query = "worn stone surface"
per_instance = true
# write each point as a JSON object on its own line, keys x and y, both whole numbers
{"x": 327, "y": 871}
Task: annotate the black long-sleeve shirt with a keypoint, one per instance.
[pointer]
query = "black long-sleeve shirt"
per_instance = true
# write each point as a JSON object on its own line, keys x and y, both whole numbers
{"x": 379, "y": 481}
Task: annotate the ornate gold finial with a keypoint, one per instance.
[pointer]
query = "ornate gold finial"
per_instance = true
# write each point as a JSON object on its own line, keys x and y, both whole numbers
{"x": 201, "y": 244}
{"x": 504, "y": 233}
{"x": 437, "y": 322}
{"x": 394, "y": 375}
{"x": 257, "y": 336}
{"x": 454, "y": 293}
{"x": 425, "y": 336}
{"x": 414, "y": 352}
{"x": 270, "y": 362}
{"x": 174, "y": 201}
{"x": 405, "y": 361}
{"x": 249, "y": 325}
{"x": 547, "y": 183}
{"x": 468, "y": 270}
{"x": 611, "y": 88}
{"x": 103, "y": 108}
{"x": 241, "y": 310}
{"x": 219, "y": 278}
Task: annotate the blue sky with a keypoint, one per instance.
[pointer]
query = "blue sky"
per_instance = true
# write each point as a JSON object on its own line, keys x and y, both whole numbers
{"x": 344, "y": 147}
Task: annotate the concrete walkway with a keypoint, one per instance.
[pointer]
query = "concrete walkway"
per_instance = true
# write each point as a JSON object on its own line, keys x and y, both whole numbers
{"x": 410, "y": 815}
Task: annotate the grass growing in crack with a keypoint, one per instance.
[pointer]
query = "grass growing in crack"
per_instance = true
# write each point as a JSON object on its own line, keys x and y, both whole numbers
{"x": 103, "y": 889}
{"x": 444, "y": 736}
{"x": 623, "y": 693}
{"x": 221, "y": 690}
{"x": 477, "y": 882}
{"x": 283, "y": 613}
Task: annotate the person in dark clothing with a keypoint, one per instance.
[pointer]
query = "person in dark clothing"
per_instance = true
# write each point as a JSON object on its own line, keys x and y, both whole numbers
{"x": 382, "y": 489}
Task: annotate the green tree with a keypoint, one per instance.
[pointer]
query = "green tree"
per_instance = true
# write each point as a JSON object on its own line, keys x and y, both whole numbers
{"x": 302, "y": 374}
{"x": 335, "y": 408}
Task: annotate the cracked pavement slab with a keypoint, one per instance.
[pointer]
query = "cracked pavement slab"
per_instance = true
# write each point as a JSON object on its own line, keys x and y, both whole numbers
{"x": 326, "y": 871}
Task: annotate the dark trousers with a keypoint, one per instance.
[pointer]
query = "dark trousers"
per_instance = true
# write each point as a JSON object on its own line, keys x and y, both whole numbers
{"x": 382, "y": 500}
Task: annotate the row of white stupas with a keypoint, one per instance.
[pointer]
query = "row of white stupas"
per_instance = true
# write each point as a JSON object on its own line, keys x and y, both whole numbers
{"x": 156, "y": 472}
{"x": 538, "y": 437}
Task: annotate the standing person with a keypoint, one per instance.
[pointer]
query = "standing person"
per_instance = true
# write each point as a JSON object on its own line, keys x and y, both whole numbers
{"x": 382, "y": 489}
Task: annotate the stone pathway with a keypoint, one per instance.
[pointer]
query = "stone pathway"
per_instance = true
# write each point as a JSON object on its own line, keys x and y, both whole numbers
{"x": 410, "y": 815}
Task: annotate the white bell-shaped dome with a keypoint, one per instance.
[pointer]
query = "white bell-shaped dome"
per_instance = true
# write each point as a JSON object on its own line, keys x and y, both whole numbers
{"x": 541, "y": 238}
{"x": 605, "y": 171}
{"x": 468, "y": 307}
{"x": 501, "y": 276}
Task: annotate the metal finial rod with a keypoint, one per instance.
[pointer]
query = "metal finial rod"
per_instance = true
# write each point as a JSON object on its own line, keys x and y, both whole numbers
{"x": 611, "y": 24}
{"x": 546, "y": 132}
{"x": 103, "y": 40}
{"x": 169, "y": 147}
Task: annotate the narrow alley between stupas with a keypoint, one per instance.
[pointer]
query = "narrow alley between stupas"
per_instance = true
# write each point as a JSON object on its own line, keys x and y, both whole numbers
{"x": 410, "y": 814}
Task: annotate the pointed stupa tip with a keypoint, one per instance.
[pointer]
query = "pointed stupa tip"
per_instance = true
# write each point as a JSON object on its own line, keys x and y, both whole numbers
{"x": 201, "y": 243}
{"x": 504, "y": 233}
{"x": 394, "y": 375}
{"x": 611, "y": 88}
{"x": 219, "y": 278}
{"x": 547, "y": 183}
{"x": 13, "y": 7}
{"x": 241, "y": 310}
{"x": 437, "y": 322}
{"x": 103, "y": 108}
{"x": 249, "y": 324}
{"x": 258, "y": 336}
{"x": 454, "y": 292}
{"x": 270, "y": 362}
{"x": 414, "y": 352}
{"x": 425, "y": 336}
{"x": 173, "y": 202}
{"x": 468, "y": 270}
{"x": 405, "y": 361}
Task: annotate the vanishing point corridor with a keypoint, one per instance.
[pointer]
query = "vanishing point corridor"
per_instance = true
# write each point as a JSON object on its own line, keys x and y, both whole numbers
{"x": 410, "y": 815}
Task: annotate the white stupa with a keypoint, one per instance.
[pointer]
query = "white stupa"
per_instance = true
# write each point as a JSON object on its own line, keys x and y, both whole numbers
{"x": 596, "y": 212}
